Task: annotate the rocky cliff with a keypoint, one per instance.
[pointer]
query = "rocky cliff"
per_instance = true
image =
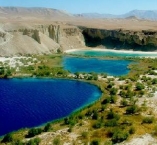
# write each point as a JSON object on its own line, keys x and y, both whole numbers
{"x": 37, "y": 39}
{"x": 48, "y": 38}
{"x": 126, "y": 39}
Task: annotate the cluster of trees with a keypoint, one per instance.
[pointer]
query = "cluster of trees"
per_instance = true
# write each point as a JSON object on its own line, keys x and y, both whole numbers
{"x": 5, "y": 72}
{"x": 10, "y": 138}
{"x": 45, "y": 71}
{"x": 31, "y": 133}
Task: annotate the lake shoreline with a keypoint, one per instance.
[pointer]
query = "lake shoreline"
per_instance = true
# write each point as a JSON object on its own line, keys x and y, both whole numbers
{"x": 88, "y": 102}
{"x": 110, "y": 50}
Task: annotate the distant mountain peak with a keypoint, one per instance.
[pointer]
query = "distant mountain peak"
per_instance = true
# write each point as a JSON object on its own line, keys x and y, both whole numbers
{"x": 137, "y": 14}
{"x": 37, "y": 12}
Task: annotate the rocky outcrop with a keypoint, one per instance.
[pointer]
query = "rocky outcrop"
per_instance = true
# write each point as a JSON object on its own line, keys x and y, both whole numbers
{"x": 54, "y": 32}
{"x": 142, "y": 40}
{"x": 2, "y": 36}
{"x": 32, "y": 33}
{"x": 67, "y": 36}
{"x": 38, "y": 39}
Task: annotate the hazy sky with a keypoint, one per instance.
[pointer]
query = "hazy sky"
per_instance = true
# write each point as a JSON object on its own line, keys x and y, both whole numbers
{"x": 85, "y": 6}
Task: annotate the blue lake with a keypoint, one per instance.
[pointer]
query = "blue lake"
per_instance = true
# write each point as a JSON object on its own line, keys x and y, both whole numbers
{"x": 88, "y": 65}
{"x": 32, "y": 102}
{"x": 112, "y": 53}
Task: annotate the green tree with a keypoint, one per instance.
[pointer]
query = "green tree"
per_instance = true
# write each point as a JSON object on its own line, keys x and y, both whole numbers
{"x": 47, "y": 127}
{"x": 2, "y": 70}
{"x": 124, "y": 102}
{"x": 132, "y": 109}
{"x": 119, "y": 136}
{"x": 34, "y": 131}
{"x": 154, "y": 81}
{"x": 139, "y": 86}
{"x": 113, "y": 91}
{"x": 95, "y": 115}
{"x": 95, "y": 142}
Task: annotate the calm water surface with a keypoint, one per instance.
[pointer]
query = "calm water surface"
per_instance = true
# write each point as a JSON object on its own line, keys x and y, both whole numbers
{"x": 32, "y": 102}
{"x": 110, "y": 67}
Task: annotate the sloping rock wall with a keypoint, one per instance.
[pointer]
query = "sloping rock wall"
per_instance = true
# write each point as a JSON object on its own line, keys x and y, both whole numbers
{"x": 143, "y": 40}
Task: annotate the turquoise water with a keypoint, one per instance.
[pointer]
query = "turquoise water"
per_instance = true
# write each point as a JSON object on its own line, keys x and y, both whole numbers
{"x": 111, "y": 53}
{"x": 32, "y": 102}
{"x": 88, "y": 65}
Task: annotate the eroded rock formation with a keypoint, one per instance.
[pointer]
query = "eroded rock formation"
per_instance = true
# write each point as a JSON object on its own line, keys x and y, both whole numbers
{"x": 143, "y": 40}
{"x": 37, "y": 39}
{"x": 32, "y": 33}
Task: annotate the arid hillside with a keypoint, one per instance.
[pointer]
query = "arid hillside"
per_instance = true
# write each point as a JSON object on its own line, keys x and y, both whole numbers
{"x": 43, "y": 30}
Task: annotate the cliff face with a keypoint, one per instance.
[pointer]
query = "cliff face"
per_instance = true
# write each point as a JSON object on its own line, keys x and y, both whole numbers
{"x": 48, "y": 38}
{"x": 142, "y": 40}
{"x": 32, "y": 33}
{"x": 38, "y": 39}
{"x": 66, "y": 36}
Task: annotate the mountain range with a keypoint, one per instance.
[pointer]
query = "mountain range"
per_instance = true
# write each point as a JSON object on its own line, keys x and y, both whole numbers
{"x": 33, "y": 12}
{"x": 140, "y": 14}
{"x": 49, "y": 13}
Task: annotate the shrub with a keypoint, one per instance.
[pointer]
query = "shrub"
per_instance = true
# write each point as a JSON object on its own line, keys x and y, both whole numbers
{"x": 106, "y": 100}
{"x": 7, "y": 138}
{"x": 132, "y": 130}
{"x": 84, "y": 134}
{"x": 95, "y": 115}
{"x": 35, "y": 141}
{"x": 70, "y": 121}
{"x": 139, "y": 86}
{"x": 111, "y": 123}
{"x": 108, "y": 142}
{"x": 70, "y": 129}
{"x": 124, "y": 102}
{"x": 119, "y": 136}
{"x": 132, "y": 109}
{"x": 110, "y": 85}
{"x": 113, "y": 99}
{"x": 97, "y": 125}
{"x": 47, "y": 127}
{"x": 154, "y": 81}
{"x": 129, "y": 94}
{"x": 95, "y": 142}
{"x": 56, "y": 141}
{"x": 66, "y": 121}
{"x": 112, "y": 115}
{"x": 17, "y": 142}
{"x": 113, "y": 91}
{"x": 148, "y": 120}
{"x": 34, "y": 131}
{"x": 122, "y": 94}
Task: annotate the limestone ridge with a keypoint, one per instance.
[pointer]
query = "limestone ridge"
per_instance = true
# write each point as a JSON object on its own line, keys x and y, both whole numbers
{"x": 54, "y": 32}
{"x": 143, "y": 40}
{"x": 22, "y": 13}
{"x": 39, "y": 39}
{"x": 32, "y": 33}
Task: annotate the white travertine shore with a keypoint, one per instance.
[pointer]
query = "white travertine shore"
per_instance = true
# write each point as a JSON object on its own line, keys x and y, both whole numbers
{"x": 111, "y": 50}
